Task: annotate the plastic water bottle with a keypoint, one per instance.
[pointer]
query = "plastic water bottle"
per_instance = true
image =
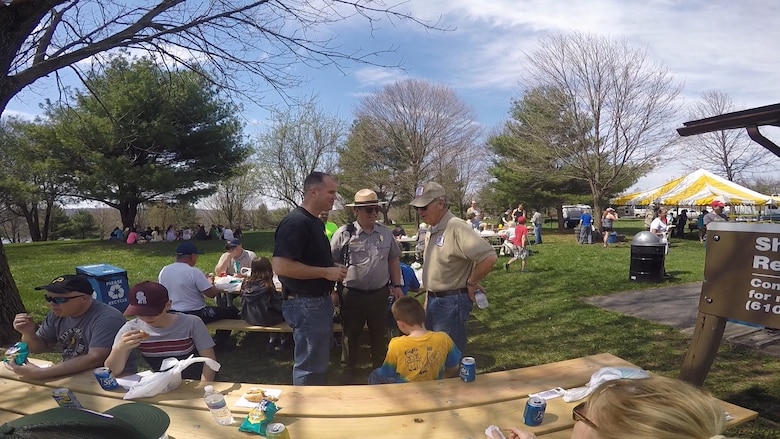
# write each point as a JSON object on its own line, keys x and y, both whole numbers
{"x": 481, "y": 297}
{"x": 218, "y": 407}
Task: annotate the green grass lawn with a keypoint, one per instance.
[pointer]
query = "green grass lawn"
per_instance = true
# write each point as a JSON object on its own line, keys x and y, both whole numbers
{"x": 535, "y": 317}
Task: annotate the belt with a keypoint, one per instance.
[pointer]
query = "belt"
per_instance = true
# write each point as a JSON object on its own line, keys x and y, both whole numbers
{"x": 448, "y": 292}
{"x": 358, "y": 290}
{"x": 305, "y": 296}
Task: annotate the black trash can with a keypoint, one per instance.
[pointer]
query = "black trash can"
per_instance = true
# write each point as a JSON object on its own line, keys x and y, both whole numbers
{"x": 647, "y": 258}
{"x": 110, "y": 284}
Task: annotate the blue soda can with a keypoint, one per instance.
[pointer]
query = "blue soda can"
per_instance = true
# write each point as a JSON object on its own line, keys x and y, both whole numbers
{"x": 105, "y": 378}
{"x": 533, "y": 415}
{"x": 468, "y": 369}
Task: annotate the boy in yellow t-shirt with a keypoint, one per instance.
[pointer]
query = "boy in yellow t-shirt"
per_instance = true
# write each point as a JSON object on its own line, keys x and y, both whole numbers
{"x": 420, "y": 355}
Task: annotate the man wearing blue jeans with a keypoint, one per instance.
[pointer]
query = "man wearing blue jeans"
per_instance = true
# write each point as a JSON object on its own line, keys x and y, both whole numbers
{"x": 538, "y": 222}
{"x": 456, "y": 261}
{"x": 303, "y": 262}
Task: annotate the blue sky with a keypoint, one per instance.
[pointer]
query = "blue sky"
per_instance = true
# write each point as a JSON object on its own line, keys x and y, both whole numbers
{"x": 729, "y": 46}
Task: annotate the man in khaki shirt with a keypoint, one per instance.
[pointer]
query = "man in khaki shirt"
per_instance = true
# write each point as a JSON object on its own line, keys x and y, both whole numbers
{"x": 456, "y": 261}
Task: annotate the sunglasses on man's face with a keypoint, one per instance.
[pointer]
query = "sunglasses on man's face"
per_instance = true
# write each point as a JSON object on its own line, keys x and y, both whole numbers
{"x": 61, "y": 300}
{"x": 578, "y": 414}
{"x": 424, "y": 208}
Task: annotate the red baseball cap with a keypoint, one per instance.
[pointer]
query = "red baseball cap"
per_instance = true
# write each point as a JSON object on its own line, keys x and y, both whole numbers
{"x": 147, "y": 299}
{"x": 718, "y": 203}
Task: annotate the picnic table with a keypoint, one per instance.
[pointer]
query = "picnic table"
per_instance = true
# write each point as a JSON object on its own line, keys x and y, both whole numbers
{"x": 447, "y": 408}
{"x": 495, "y": 239}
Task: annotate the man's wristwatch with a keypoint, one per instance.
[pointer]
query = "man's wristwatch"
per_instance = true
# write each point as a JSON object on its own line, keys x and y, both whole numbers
{"x": 471, "y": 284}
{"x": 398, "y": 286}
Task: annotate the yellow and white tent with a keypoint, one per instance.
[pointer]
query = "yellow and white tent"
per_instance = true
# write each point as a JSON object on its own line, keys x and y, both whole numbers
{"x": 696, "y": 189}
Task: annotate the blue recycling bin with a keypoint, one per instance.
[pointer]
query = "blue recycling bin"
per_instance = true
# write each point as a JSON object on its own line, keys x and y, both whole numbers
{"x": 109, "y": 282}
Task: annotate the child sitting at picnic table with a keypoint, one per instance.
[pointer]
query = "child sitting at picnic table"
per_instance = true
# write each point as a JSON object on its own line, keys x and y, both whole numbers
{"x": 261, "y": 305}
{"x": 159, "y": 334}
{"x": 420, "y": 355}
{"x": 410, "y": 283}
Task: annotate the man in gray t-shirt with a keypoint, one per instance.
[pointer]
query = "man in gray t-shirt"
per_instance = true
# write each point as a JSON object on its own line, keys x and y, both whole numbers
{"x": 78, "y": 326}
{"x": 717, "y": 214}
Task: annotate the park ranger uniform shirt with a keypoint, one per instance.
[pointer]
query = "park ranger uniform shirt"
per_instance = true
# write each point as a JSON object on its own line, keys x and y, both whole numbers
{"x": 369, "y": 255}
{"x": 452, "y": 250}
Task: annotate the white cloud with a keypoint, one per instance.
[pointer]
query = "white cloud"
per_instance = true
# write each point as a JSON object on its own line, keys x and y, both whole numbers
{"x": 375, "y": 77}
{"x": 19, "y": 114}
{"x": 718, "y": 44}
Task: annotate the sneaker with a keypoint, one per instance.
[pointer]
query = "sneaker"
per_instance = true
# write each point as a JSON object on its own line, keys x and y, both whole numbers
{"x": 506, "y": 266}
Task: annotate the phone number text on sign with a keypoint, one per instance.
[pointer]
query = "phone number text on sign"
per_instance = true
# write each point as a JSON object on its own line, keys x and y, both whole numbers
{"x": 759, "y": 301}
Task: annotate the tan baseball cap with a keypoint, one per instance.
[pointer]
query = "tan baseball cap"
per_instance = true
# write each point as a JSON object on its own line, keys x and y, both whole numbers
{"x": 426, "y": 193}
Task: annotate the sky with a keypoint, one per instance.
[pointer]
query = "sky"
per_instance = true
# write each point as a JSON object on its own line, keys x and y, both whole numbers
{"x": 724, "y": 45}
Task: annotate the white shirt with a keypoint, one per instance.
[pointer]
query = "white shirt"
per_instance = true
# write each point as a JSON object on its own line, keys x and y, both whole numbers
{"x": 510, "y": 234}
{"x": 227, "y": 234}
{"x": 185, "y": 286}
{"x": 659, "y": 228}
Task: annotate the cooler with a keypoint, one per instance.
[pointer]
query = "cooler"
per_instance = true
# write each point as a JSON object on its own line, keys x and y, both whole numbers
{"x": 110, "y": 283}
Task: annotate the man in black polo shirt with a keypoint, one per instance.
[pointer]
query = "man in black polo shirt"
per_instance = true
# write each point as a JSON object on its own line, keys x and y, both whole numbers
{"x": 304, "y": 264}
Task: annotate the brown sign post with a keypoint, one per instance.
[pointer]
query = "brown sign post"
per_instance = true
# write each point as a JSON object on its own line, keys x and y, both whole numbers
{"x": 741, "y": 282}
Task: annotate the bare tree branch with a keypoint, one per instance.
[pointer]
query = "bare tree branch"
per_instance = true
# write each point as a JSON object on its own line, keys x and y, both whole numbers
{"x": 247, "y": 45}
{"x": 621, "y": 107}
{"x": 730, "y": 153}
{"x": 428, "y": 132}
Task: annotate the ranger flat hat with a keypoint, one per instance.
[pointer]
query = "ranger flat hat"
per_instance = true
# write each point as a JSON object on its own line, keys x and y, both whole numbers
{"x": 365, "y": 197}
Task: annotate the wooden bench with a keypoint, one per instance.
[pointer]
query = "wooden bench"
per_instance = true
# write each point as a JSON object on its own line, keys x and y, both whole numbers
{"x": 435, "y": 409}
{"x": 242, "y": 325}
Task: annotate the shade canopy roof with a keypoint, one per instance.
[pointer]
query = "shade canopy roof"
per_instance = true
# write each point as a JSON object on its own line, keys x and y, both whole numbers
{"x": 749, "y": 119}
{"x": 698, "y": 188}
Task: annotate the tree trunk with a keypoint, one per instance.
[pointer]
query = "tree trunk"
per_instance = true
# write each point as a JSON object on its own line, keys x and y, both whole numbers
{"x": 598, "y": 209}
{"x": 47, "y": 219}
{"x": 561, "y": 225}
{"x": 128, "y": 211}
{"x": 31, "y": 216}
{"x": 12, "y": 302}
